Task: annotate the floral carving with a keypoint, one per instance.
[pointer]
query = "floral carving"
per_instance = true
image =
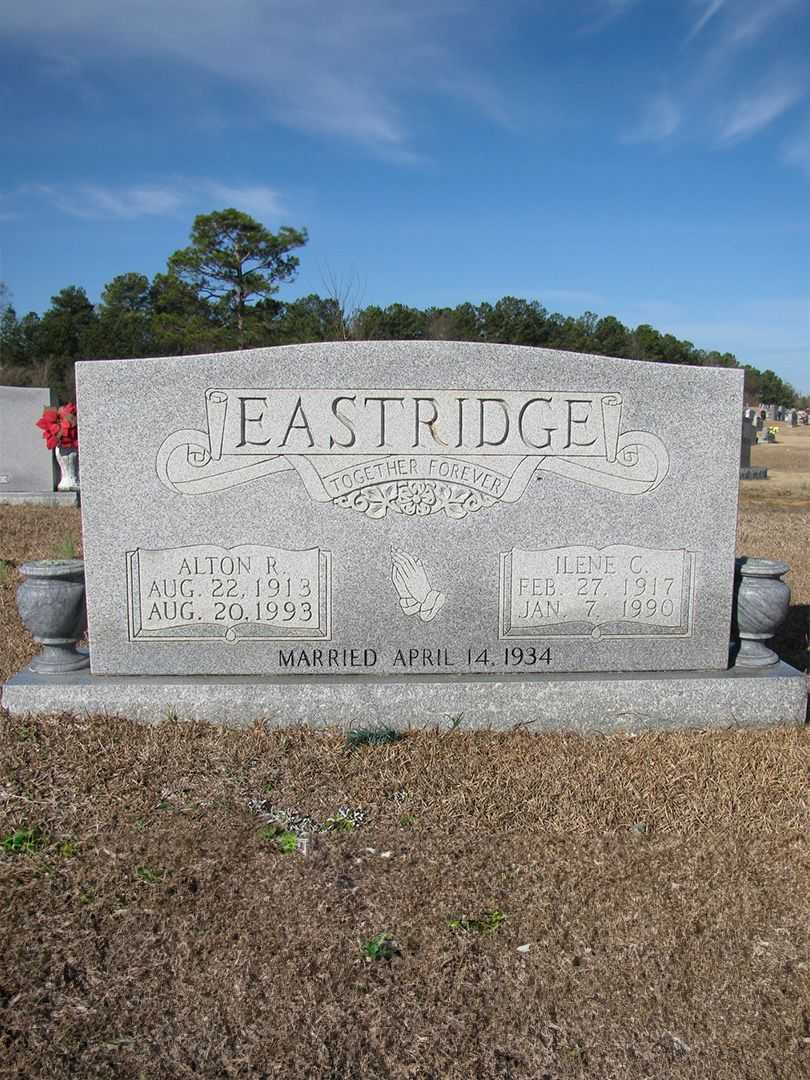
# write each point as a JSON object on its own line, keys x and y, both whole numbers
{"x": 416, "y": 498}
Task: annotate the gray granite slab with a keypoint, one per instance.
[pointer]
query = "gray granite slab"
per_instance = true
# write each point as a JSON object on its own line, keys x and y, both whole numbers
{"x": 406, "y": 509}
{"x": 26, "y": 464}
{"x": 748, "y": 438}
{"x": 630, "y": 702}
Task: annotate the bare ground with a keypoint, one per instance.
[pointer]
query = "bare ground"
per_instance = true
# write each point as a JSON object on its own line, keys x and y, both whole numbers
{"x": 655, "y": 889}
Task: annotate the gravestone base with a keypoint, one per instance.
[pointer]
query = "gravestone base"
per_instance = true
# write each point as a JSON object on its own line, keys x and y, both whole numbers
{"x": 39, "y": 498}
{"x": 753, "y": 472}
{"x": 623, "y": 702}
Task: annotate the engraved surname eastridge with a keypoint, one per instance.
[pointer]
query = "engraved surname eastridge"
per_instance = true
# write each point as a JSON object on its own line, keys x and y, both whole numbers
{"x": 298, "y": 422}
{"x": 244, "y": 420}
{"x": 574, "y": 421}
{"x": 361, "y": 449}
{"x": 345, "y": 420}
{"x": 508, "y": 421}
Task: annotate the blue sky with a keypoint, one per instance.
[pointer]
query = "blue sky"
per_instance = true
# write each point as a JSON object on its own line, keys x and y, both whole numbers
{"x": 648, "y": 159}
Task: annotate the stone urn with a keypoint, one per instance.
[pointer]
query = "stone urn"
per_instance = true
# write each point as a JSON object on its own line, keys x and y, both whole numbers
{"x": 68, "y": 462}
{"x": 50, "y": 601}
{"x": 761, "y": 602}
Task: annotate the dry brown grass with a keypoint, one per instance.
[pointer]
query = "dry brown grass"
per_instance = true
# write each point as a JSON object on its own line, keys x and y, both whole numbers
{"x": 27, "y": 533}
{"x": 660, "y": 882}
{"x": 788, "y": 464}
{"x": 774, "y": 522}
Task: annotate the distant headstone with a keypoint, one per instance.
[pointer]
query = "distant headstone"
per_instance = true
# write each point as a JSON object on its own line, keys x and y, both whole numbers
{"x": 26, "y": 465}
{"x": 749, "y": 438}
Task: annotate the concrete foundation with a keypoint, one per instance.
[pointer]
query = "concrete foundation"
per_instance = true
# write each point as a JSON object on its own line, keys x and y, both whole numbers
{"x": 39, "y": 498}
{"x": 635, "y": 701}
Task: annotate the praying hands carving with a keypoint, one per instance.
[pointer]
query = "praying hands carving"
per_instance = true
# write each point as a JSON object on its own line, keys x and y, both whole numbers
{"x": 416, "y": 597}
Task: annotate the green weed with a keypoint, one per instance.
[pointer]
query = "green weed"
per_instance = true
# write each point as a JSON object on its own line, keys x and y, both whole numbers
{"x": 378, "y": 736}
{"x": 147, "y": 875}
{"x": 23, "y": 841}
{"x": 5, "y": 572}
{"x": 379, "y": 947}
{"x": 286, "y": 841}
{"x": 487, "y": 923}
{"x": 338, "y": 824}
{"x": 65, "y": 548}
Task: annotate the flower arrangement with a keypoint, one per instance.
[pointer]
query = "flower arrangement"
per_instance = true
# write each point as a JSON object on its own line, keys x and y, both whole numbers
{"x": 773, "y": 431}
{"x": 60, "y": 427}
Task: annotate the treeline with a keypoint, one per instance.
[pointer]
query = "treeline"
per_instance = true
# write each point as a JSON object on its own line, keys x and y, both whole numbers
{"x": 219, "y": 294}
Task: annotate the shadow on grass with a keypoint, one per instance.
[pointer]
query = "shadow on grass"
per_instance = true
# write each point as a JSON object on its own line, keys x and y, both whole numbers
{"x": 791, "y": 642}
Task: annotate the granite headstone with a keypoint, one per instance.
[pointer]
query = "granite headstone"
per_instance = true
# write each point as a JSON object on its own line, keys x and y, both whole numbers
{"x": 749, "y": 436}
{"x": 748, "y": 439}
{"x": 410, "y": 508}
{"x": 26, "y": 465}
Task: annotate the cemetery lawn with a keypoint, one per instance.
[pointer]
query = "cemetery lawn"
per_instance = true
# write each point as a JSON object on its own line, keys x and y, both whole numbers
{"x": 502, "y": 906}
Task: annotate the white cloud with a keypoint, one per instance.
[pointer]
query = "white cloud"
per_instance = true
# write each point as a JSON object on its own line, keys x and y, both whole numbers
{"x": 756, "y": 17}
{"x": 726, "y": 44}
{"x": 753, "y": 113}
{"x": 96, "y": 202}
{"x": 741, "y": 25}
{"x": 661, "y": 117}
{"x": 340, "y": 70}
{"x": 261, "y": 202}
{"x": 710, "y": 9}
{"x": 607, "y": 11}
{"x": 796, "y": 151}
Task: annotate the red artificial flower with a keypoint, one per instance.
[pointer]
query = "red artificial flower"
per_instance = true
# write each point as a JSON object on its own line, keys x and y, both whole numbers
{"x": 49, "y": 417}
{"x": 59, "y": 427}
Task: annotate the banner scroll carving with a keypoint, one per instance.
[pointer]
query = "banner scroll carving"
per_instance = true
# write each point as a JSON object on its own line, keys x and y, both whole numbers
{"x": 412, "y": 452}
